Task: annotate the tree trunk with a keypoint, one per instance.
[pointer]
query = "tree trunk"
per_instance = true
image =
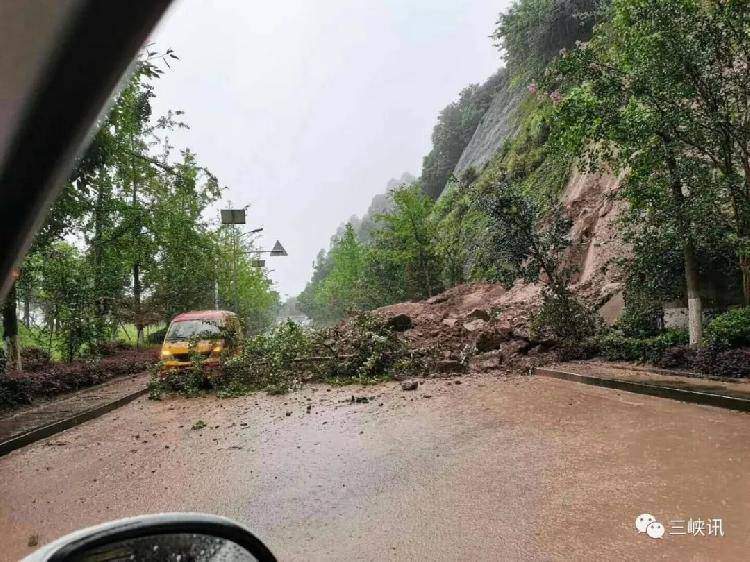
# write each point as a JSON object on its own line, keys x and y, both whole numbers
{"x": 695, "y": 305}
{"x": 745, "y": 267}
{"x": 10, "y": 332}
{"x": 137, "y": 313}
{"x": 98, "y": 247}
{"x": 692, "y": 279}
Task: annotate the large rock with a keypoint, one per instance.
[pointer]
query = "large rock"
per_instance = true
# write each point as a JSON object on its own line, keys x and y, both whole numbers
{"x": 450, "y": 322}
{"x": 515, "y": 347}
{"x": 475, "y": 325}
{"x": 449, "y": 366}
{"x": 489, "y": 340}
{"x": 400, "y": 322}
{"x": 487, "y": 361}
{"x": 478, "y": 313}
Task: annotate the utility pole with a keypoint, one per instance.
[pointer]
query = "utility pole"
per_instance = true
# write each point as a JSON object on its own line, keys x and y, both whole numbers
{"x": 234, "y": 217}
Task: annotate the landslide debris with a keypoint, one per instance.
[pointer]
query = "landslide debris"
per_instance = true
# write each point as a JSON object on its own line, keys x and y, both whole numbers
{"x": 473, "y": 327}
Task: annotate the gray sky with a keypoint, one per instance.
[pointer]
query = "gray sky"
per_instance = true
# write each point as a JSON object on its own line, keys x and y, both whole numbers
{"x": 306, "y": 108}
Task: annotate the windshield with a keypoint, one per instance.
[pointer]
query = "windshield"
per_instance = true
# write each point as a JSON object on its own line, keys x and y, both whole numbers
{"x": 186, "y": 329}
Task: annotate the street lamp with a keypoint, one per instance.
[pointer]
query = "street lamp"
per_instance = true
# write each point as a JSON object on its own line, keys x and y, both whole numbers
{"x": 234, "y": 217}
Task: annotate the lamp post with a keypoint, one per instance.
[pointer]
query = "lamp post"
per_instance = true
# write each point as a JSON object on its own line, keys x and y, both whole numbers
{"x": 234, "y": 217}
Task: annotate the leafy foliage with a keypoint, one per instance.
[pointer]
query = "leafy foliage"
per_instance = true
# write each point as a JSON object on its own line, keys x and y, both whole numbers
{"x": 730, "y": 329}
{"x": 128, "y": 241}
{"x": 362, "y": 350}
{"x": 400, "y": 261}
{"x": 532, "y": 32}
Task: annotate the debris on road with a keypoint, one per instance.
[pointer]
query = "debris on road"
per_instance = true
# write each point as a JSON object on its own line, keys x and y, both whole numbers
{"x": 409, "y": 385}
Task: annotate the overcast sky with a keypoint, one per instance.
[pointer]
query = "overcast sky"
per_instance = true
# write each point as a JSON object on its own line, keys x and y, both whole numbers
{"x": 305, "y": 109}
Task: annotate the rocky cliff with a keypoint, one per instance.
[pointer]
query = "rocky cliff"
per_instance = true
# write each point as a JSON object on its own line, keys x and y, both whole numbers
{"x": 499, "y": 124}
{"x": 588, "y": 198}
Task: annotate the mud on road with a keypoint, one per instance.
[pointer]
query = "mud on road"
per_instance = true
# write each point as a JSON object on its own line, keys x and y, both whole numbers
{"x": 493, "y": 468}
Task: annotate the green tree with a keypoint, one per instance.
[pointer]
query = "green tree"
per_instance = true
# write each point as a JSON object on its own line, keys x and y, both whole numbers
{"x": 406, "y": 237}
{"x": 633, "y": 103}
{"x": 243, "y": 286}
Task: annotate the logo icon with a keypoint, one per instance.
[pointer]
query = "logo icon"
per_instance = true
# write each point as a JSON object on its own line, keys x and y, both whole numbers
{"x": 647, "y": 523}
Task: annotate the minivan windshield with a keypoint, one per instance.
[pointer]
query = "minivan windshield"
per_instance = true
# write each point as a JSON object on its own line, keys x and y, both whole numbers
{"x": 186, "y": 329}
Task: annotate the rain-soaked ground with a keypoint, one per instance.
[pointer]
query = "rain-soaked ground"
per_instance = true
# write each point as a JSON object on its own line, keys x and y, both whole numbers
{"x": 490, "y": 469}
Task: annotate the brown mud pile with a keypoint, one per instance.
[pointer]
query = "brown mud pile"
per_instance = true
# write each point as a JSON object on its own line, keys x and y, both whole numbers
{"x": 477, "y": 327}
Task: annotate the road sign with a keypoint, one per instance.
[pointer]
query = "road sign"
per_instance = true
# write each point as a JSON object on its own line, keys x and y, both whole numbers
{"x": 233, "y": 216}
{"x": 278, "y": 250}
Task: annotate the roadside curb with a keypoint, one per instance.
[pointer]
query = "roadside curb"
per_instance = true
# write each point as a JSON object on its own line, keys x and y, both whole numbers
{"x": 693, "y": 396}
{"x": 23, "y": 439}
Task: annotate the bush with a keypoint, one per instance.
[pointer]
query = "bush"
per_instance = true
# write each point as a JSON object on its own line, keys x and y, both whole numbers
{"x": 731, "y": 363}
{"x": 157, "y": 337}
{"x": 563, "y": 317}
{"x": 617, "y": 347}
{"x": 362, "y": 349}
{"x": 730, "y": 329}
{"x": 578, "y": 350}
{"x": 641, "y": 317}
{"x": 110, "y": 348}
{"x": 678, "y": 356}
{"x": 21, "y": 387}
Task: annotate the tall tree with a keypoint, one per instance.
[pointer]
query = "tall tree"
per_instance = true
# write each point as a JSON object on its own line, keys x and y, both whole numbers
{"x": 631, "y": 104}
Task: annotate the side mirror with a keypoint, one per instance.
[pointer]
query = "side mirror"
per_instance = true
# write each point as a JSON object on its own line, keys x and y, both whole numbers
{"x": 178, "y": 537}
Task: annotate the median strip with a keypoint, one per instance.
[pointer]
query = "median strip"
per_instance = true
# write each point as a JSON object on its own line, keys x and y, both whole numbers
{"x": 36, "y": 423}
{"x": 651, "y": 388}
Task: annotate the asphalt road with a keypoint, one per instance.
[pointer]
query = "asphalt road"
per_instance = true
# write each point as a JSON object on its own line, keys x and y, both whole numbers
{"x": 491, "y": 469}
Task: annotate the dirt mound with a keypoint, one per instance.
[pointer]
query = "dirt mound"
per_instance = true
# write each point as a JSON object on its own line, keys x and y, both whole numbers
{"x": 476, "y": 327}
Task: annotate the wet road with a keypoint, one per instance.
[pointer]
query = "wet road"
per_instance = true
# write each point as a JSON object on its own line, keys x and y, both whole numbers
{"x": 520, "y": 468}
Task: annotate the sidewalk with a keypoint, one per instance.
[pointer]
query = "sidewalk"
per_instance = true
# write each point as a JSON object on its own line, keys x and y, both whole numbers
{"x": 714, "y": 391}
{"x": 37, "y": 421}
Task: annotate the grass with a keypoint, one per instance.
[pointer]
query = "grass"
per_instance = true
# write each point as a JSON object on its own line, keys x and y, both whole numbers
{"x": 34, "y": 336}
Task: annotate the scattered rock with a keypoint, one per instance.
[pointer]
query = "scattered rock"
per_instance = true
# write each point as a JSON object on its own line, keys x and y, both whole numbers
{"x": 288, "y": 413}
{"x": 449, "y": 366}
{"x": 486, "y": 361}
{"x": 450, "y": 322}
{"x": 309, "y": 408}
{"x": 515, "y": 347}
{"x": 400, "y": 322}
{"x": 33, "y": 540}
{"x": 200, "y": 424}
{"x": 475, "y": 325}
{"x": 457, "y": 381}
{"x": 490, "y": 340}
{"x": 409, "y": 385}
{"x": 478, "y": 313}
{"x": 521, "y": 332}
{"x": 437, "y": 299}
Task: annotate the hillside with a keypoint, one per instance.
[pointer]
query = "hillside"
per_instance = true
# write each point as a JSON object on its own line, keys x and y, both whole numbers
{"x": 559, "y": 193}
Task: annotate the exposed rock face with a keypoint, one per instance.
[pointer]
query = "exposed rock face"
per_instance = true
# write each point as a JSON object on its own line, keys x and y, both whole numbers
{"x": 596, "y": 242}
{"x": 498, "y": 124}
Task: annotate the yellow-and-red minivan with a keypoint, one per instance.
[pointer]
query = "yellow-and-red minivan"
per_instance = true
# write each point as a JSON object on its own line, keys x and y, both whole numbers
{"x": 209, "y": 331}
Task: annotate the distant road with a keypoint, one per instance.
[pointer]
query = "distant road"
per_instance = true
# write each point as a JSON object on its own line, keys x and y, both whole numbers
{"x": 491, "y": 469}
